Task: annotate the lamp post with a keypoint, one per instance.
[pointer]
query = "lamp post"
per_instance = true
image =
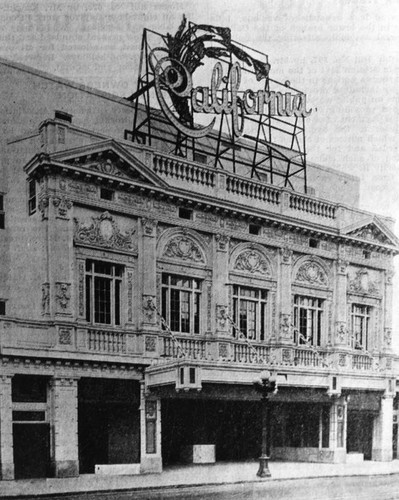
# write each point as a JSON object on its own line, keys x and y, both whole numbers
{"x": 266, "y": 384}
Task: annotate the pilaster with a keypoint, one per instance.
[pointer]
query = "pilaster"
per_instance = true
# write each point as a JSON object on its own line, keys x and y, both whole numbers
{"x": 285, "y": 330}
{"x": 6, "y": 436}
{"x": 150, "y": 424}
{"x": 220, "y": 279}
{"x": 148, "y": 273}
{"x": 341, "y": 326}
{"x": 382, "y": 431}
{"x": 64, "y": 427}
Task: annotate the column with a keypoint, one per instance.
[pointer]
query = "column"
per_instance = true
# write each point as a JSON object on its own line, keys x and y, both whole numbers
{"x": 285, "y": 299}
{"x": 388, "y": 308}
{"x": 382, "y": 431}
{"x": 337, "y": 433}
{"x": 6, "y": 439}
{"x": 220, "y": 281}
{"x": 64, "y": 427}
{"x": 341, "y": 327}
{"x": 148, "y": 277}
{"x": 150, "y": 422}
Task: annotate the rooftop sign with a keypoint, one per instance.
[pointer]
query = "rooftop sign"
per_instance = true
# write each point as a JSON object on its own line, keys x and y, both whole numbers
{"x": 179, "y": 99}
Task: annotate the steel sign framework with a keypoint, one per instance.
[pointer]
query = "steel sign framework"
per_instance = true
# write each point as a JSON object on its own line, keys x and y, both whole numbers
{"x": 263, "y": 137}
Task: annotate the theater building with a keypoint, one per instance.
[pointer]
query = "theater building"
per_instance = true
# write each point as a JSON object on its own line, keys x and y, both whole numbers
{"x": 143, "y": 290}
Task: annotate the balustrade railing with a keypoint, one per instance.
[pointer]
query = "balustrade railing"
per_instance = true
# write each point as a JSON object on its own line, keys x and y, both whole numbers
{"x": 362, "y": 362}
{"x": 192, "y": 348}
{"x": 309, "y": 357}
{"x": 312, "y": 206}
{"x": 179, "y": 169}
{"x": 106, "y": 341}
{"x": 258, "y": 355}
{"x": 251, "y": 189}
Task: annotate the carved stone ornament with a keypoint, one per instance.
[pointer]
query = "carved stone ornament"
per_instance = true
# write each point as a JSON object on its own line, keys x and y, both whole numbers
{"x": 253, "y": 262}
{"x": 222, "y": 242}
{"x": 286, "y": 255}
{"x": 342, "y": 266}
{"x": 103, "y": 232}
{"x": 62, "y": 204}
{"x": 311, "y": 272}
{"x": 342, "y": 360}
{"x": 362, "y": 283}
{"x": 150, "y": 344}
{"x": 370, "y": 233}
{"x": 43, "y": 206}
{"x": 45, "y": 298}
{"x": 387, "y": 337}
{"x": 149, "y": 305}
{"x": 221, "y": 315}
{"x": 285, "y": 326}
{"x": 223, "y": 351}
{"x": 65, "y": 336}
{"x": 341, "y": 332}
{"x": 149, "y": 226}
{"x": 183, "y": 248}
{"x": 389, "y": 276}
{"x": 63, "y": 297}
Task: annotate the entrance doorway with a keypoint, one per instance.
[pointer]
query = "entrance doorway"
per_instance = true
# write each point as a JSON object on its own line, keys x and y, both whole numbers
{"x": 31, "y": 450}
{"x": 234, "y": 427}
{"x": 108, "y": 423}
{"x": 360, "y": 433}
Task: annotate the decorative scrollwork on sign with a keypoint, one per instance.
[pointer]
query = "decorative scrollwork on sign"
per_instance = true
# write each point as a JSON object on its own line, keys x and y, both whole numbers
{"x": 362, "y": 283}
{"x": 184, "y": 248}
{"x": 103, "y": 232}
{"x": 311, "y": 272}
{"x": 252, "y": 261}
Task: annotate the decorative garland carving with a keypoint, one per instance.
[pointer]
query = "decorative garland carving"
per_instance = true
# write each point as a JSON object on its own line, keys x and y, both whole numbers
{"x": 311, "y": 272}
{"x": 252, "y": 261}
{"x": 103, "y": 232}
{"x": 184, "y": 248}
{"x": 363, "y": 284}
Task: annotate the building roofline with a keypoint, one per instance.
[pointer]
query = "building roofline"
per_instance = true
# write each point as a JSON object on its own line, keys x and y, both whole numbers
{"x": 64, "y": 81}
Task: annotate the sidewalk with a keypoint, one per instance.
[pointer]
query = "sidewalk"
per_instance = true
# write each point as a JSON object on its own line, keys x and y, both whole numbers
{"x": 237, "y": 472}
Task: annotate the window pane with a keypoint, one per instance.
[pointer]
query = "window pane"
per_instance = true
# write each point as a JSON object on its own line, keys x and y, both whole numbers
{"x": 196, "y": 313}
{"x": 117, "y": 302}
{"x": 88, "y": 297}
{"x": 185, "y": 311}
{"x": 102, "y": 300}
{"x": 174, "y": 310}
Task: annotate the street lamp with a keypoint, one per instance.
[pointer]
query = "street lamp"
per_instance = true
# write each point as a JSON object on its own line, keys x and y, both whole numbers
{"x": 265, "y": 385}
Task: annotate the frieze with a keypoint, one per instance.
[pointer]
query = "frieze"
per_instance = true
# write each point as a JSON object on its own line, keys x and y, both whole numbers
{"x": 80, "y": 188}
{"x": 184, "y": 248}
{"x": 132, "y": 200}
{"x": 164, "y": 207}
{"x": 207, "y": 218}
{"x": 312, "y": 273}
{"x": 63, "y": 297}
{"x": 104, "y": 232}
{"x": 253, "y": 262}
{"x": 234, "y": 224}
{"x": 363, "y": 284}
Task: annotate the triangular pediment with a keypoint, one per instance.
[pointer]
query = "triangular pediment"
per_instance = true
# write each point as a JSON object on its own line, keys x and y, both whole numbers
{"x": 110, "y": 159}
{"x": 373, "y": 231}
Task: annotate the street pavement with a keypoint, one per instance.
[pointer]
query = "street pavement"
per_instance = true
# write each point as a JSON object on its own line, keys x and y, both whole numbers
{"x": 366, "y": 480}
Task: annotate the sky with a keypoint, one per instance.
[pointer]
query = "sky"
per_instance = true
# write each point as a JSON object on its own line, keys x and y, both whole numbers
{"x": 344, "y": 54}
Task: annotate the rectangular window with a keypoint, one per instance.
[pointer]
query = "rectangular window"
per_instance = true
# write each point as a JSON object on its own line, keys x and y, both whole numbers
{"x": 2, "y": 307}
{"x": 308, "y": 313}
{"x": 103, "y": 292}
{"x": 32, "y": 196}
{"x": 181, "y": 298}
{"x": 2, "y": 214}
{"x": 360, "y": 326}
{"x": 249, "y": 312}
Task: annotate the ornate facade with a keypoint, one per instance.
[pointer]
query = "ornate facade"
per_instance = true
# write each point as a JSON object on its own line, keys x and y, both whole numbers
{"x": 144, "y": 293}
